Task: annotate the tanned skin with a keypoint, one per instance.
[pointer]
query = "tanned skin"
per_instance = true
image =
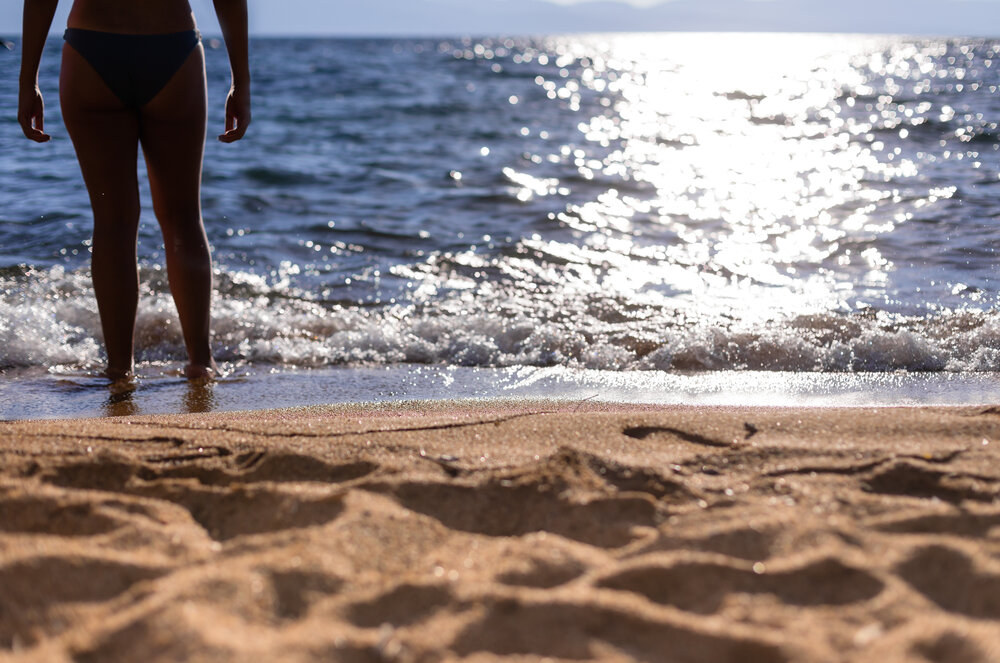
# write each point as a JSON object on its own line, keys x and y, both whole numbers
{"x": 107, "y": 135}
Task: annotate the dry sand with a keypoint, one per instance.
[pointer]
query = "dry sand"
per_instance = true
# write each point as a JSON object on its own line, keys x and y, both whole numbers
{"x": 516, "y": 532}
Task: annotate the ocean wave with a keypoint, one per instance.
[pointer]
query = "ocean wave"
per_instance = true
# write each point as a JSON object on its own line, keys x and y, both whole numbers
{"x": 48, "y": 318}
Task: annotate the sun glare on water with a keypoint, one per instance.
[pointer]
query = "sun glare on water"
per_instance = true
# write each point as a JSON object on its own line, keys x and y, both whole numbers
{"x": 749, "y": 186}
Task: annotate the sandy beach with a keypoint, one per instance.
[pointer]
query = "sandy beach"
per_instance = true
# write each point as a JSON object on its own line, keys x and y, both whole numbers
{"x": 503, "y": 531}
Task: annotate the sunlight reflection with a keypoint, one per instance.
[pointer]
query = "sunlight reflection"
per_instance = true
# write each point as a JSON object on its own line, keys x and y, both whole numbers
{"x": 767, "y": 194}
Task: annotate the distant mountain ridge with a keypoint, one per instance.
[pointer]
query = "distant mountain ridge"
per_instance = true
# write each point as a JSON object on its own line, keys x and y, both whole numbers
{"x": 441, "y": 17}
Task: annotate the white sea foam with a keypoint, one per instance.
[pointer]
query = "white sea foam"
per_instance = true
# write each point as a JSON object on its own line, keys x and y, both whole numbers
{"x": 48, "y": 318}
{"x": 44, "y": 321}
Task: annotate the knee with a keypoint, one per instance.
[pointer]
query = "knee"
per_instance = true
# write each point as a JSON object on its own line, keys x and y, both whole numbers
{"x": 183, "y": 230}
{"x": 176, "y": 215}
{"x": 116, "y": 232}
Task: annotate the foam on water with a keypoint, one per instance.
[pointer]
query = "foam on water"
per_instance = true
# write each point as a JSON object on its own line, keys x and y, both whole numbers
{"x": 49, "y": 319}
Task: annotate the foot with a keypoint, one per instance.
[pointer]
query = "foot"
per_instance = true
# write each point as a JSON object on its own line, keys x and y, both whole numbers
{"x": 201, "y": 371}
{"x": 121, "y": 386}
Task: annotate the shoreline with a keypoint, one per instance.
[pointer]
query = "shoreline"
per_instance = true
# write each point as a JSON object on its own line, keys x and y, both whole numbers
{"x": 79, "y": 395}
{"x": 510, "y": 530}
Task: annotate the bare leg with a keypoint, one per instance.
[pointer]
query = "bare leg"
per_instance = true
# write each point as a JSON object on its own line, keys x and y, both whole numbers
{"x": 172, "y": 133}
{"x": 105, "y": 135}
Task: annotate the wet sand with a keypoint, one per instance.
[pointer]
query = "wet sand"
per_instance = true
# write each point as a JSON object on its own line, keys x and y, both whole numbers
{"x": 503, "y": 531}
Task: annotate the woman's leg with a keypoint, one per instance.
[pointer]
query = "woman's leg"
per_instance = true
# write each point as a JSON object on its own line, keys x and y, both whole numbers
{"x": 106, "y": 135}
{"x": 172, "y": 133}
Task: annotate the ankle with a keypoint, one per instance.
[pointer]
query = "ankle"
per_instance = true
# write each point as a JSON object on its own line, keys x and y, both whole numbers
{"x": 115, "y": 373}
{"x": 198, "y": 371}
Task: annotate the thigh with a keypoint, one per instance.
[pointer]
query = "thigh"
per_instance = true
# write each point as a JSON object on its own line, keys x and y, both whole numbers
{"x": 105, "y": 135}
{"x": 172, "y": 133}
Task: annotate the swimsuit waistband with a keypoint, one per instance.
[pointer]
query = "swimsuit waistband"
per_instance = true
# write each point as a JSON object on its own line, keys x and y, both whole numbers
{"x": 70, "y": 31}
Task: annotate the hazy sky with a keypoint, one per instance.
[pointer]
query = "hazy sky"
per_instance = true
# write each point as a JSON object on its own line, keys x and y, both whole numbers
{"x": 445, "y": 17}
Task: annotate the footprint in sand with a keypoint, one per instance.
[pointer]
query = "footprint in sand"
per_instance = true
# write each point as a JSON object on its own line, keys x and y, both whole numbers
{"x": 52, "y": 517}
{"x": 950, "y": 647}
{"x": 970, "y": 525}
{"x": 401, "y": 606}
{"x": 279, "y": 468}
{"x": 950, "y": 578}
{"x": 32, "y": 587}
{"x": 495, "y": 509}
{"x": 511, "y": 627}
{"x": 701, "y": 587}
{"x": 244, "y": 510}
{"x": 913, "y": 480}
{"x": 225, "y": 511}
{"x": 741, "y": 542}
{"x": 295, "y": 591}
{"x": 543, "y": 573}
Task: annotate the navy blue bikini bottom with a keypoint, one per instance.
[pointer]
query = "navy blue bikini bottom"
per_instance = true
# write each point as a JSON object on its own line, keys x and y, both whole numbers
{"x": 135, "y": 67}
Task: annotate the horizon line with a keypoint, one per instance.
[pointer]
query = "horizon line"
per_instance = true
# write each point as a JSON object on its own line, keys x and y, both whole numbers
{"x": 389, "y": 34}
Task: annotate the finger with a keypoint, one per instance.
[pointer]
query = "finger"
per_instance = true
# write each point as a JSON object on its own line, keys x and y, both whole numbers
{"x": 31, "y": 132}
{"x": 36, "y": 135}
{"x": 228, "y": 135}
{"x": 232, "y": 136}
{"x": 234, "y": 133}
{"x": 38, "y": 132}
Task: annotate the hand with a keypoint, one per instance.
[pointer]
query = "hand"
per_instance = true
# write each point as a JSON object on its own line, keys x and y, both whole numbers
{"x": 31, "y": 114}
{"x": 237, "y": 115}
